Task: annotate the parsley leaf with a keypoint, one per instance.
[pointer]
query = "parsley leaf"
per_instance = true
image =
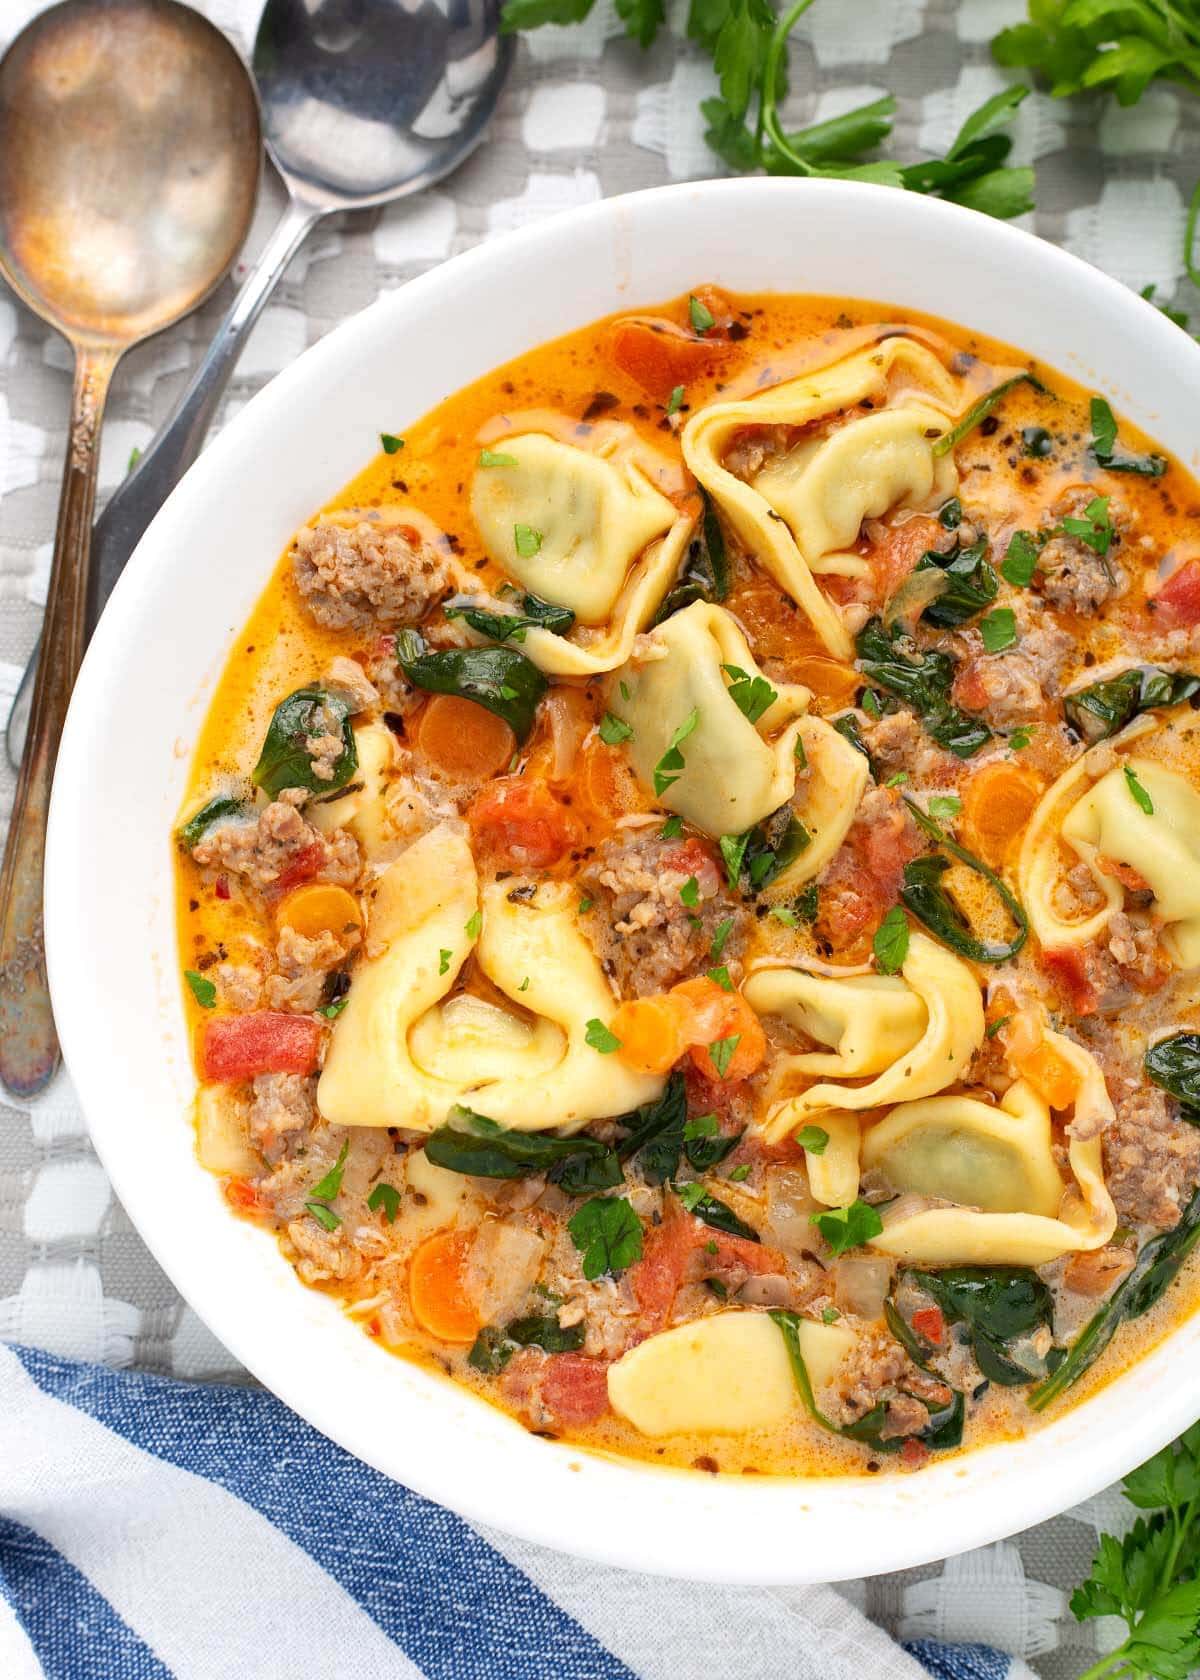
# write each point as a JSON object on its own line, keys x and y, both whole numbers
{"x": 890, "y": 943}
{"x": 999, "y": 630}
{"x": 608, "y": 1234}
{"x": 943, "y": 805}
{"x": 720, "y": 976}
{"x": 689, "y": 893}
{"x": 526, "y": 541}
{"x": 675, "y": 401}
{"x": 331, "y": 1184}
{"x": 1095, "y": 528}
{"x": 847, "y": 1227}
{"x": 385, "y": 1199}
{"x": 671, "y": 828}
{"x": 444, "y": 961}
{"x": 721, "y": 1053}
{"x": 391, "y": 445}
{"x": 204, "y": 992}
{"x": 1138, "y": 792}
{"x": 702, "y": 319}
{"x": 1104, "y": 444}
{"x": 720, "y": 934}
{"x": 669, "y": 767}
{"x": 614, "y": 730}
{"x": 1020, "y": 560}
{"x": 598, "y": 1036}
{"x": 473, "y": 925}
{"x": 813, "y": 1138}
{"x": 751, "y": 695}
{"x": 496, "y": 458}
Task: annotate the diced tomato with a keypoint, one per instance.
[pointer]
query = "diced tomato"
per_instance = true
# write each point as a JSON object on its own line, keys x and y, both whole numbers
{"x": 928, "y": 1322}
{"x": 1067, "y": 967}
{"x": 574, "y": 1387}
{"x": 222, "y": 886}
{"x": 521, "y": 821}
{"x": 670, "y": 1248}
{"x": 1130, "y": 878}
{"x": 692, "y": 858}
{"x": 658, "y": 355}
{"x": 1177, "y": 602}
{"x": 914, "y": 1453}
{"x": 242, "y": 1196}
{"x": 240, "y": 1046}
{"x": 303, "y": 867}
{"x": 895, "y": 555}
{"x": 864, "y": 879}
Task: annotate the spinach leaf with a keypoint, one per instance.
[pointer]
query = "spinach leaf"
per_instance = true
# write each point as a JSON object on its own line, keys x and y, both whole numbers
{"x": 1103, "y": 708}
{"x": 773, "y": 846}
{"x": 944, "y": 1429}
{"x": 999, "y": 1305}
{"x": 1174, "y": 1065}
{"x": 1104, "y": 445}
{"x": 284, "y": 761}
{"x": 924, "y": 680}
{"x": 196, "y": 827}
{"x": 705, "y": 574}
{"x": 480, "y": 1148}
{"x": 533, "y": 614}
{"x": 500, "y": 679}
{"x": 491, "y": 1351}
{"x": 971, "y": 584}
{"x": 1155, "y": 1268}
{"x": 924, "y": 895}
{"x": 697, "y": 1200}
{"x": 546, "y": 1333}
{"x": 980, "y": 410}
{"x": 656, "y": 1132}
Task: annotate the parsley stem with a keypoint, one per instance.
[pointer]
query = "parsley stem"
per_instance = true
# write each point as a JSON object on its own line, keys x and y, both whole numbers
{"x": 1106, "y": 1664}
{"x": 1189, "y": 236}
{"x": 768, "y": 115}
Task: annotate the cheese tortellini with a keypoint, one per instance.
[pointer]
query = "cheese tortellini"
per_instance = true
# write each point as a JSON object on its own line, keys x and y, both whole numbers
{"x": 799, "y": 512}
{"x": 1099, "y": 817}
{"x": 720, "y": 1375}
{"x": 362, "y": 808}
{"x": 908, "y": 1036}
{"x": 725, "y": 773}
{"x": 403, "y": 1052}
{"x": 983, "y": 1185}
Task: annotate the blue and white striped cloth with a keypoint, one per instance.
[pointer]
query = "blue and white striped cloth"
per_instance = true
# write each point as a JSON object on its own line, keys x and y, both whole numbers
{"x": 158, "y": 1530}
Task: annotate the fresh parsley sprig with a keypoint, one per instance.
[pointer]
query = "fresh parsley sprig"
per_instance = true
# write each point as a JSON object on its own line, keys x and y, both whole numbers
{"x": 747, "y": 41}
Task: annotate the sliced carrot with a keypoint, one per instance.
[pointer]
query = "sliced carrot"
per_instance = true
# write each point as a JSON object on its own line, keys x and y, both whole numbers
{"x": 658, "y": 355}
{"x": 998, "y": 802}
{"x": 605, "y": 785}
{"x": 832, "y": 682}
{"x": 654, "y": 1031}
{"x": 437, "y": 1287}
{"x": 720, "y": 1016}
{"x": 1052, "y": 1076}
{"x": 463, "y": 739}
{"x": 320, "y": 908}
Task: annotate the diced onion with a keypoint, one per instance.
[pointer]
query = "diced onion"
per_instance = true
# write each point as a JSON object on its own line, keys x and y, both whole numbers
{"x": 861, "y": 1284}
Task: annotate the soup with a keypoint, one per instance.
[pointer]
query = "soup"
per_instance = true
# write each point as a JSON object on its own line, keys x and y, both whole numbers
{"x": 689, "y": 890}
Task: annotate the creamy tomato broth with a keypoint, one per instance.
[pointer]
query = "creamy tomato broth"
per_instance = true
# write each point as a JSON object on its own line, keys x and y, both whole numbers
{"x": 689, "y": 891}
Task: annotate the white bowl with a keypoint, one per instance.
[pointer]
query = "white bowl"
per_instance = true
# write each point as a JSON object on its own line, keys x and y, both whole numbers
{"x": 139, "y": 703}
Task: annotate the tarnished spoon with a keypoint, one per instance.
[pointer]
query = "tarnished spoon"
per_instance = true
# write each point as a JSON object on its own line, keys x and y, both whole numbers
{"x": 130, "y": 140}
{"x": 364, "y": 101}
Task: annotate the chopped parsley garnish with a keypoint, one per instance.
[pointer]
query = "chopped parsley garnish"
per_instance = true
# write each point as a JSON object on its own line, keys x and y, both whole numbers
{"x": 733, "y": 850}
{"x": 608, "y": 1234}
{"x": 721, "y": 1052}
{"x": 626, "y": 691}
{"x": 331, "y": 1184}
{"x": 813, "y": 1138}
{"x": 782, "y": 914}
{"x": 898, "y": 780}
{"x": 1020, "y": 560}
{"x": 496, "y": 458}
{"x": 671, "y": 828}
{"x": 702, "y": 319}
{"x": 1095, "y": 528}
{"x": 1021, "y": 737}
{"x": 584, "y": 905}
{"x": 994, "y": 1027}
{"x": 720, "y": 934}
{"x": 391, "y": 445}
{"x": 721, "y": 977}
{"x": 847, "y": 1227}
{"x": 385, "y": 1199}
{"x": 751, "y": 695}
{"x": 331, "y": 1011}
{"x": 870, "y": 703}
{"x": 614, "y": 730}
{"x": 324, "y": 1216}
{"x": 891, "y": 941}
{"x": 598, "y": 1036}
{"x": 943, "y": 805}
{"x": 444, "y": 961}
{"x": 474, "y": 925}
{"x": 526, "y": 540}
{"x": 1140, "y": 796}
{"x": 999, "y": 630}
{"x": 524, "y": 986}
{"x": 204, "y": 992}
{"x": 703, "y": 1126}
{"x": 670, "y": 766}
{"x": 689, "y": 893}
{"x": 1036, "y": 442}
{"x": 675, "y": 400}
{"x": 830, "y": 1315}
{"x": 740, "y": 1174}
{"x": 799, "y": 754}
{"x": 690, "y": 1194}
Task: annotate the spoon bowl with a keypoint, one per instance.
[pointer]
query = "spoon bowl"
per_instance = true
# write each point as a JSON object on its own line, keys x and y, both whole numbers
{"x": 365, "y": 101}
{"x": 131, "y": 143}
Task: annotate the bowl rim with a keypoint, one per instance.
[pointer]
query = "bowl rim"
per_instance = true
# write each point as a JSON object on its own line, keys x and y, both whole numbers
{"x": 706, "y": 1528}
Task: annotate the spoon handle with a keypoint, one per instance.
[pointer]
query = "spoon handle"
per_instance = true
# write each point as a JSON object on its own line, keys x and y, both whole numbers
{"x": 29, "y": 1050}
{"x": 134, "y": 503}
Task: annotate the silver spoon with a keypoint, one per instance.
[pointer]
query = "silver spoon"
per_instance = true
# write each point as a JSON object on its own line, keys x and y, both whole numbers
{"x": 364, "y": 101}
{"x": 130, "y": 141}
